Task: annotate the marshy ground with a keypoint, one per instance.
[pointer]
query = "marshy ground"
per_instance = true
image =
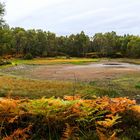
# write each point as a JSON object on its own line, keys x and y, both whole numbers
{"x": 58, "y": 77}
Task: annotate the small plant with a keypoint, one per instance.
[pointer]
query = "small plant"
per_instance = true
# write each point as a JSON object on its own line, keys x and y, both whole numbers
{"x": 44, "y": 54}
{"x": 28, "y": 56}
{"x": 137, "y": 85}
{"x": 92, "y": 83}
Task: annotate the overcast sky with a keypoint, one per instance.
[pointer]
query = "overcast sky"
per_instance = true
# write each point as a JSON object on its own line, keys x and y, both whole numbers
{"x": 72, "y": 16}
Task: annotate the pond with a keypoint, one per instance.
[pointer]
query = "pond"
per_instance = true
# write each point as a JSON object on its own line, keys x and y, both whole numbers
{"x": 108, "y": 65}
{"x": 87, "y": 72}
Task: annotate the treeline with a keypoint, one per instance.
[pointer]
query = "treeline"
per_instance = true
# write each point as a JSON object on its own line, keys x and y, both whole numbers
{"x": 38, "y": 43}
{"x": 18, "y": 41}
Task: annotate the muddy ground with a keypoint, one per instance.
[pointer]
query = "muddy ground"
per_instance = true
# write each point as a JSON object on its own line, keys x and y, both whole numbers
{"x": 88, "y": 72}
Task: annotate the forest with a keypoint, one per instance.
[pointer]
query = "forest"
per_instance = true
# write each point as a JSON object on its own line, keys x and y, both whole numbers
{"x": 19, "y": 42}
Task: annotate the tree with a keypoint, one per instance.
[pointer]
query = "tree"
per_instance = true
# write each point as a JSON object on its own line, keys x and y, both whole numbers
{"x": 78, "y": 44}
{"x": 41, "y": 43}
{"x": 6, "y": 41}
{"x": 62, "y": 45}
{"x": 52, "y": 49}
{"x": 98, "y": 43}
{"x": 20, "y": 40}
{"x": 133, "y": 47}
{"x": 107, "y": 44}
{"x": 2, "y": 10}
{"x": 32, "y": 42}
{"x": 111, "y": 44}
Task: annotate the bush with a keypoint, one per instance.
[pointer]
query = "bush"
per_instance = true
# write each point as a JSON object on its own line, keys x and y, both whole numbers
{"x": 95, "y": 55}
{"x": 45, "y": 54}
{"x": 28, "y": 56}
{"x": 116, "y": 55}
{"x": 137, "y": 85}
{"x": 92, "y": 55}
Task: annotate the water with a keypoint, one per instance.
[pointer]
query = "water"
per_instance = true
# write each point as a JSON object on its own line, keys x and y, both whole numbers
{"x": 107, "y": 65}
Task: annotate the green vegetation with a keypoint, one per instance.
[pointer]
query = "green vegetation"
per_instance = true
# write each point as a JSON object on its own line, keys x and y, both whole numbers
{"x": 52, "y": 61}
{"x": 123, "y": 86}
{"x": 18, "y": 42}
{"x": 16, "y": 87}
{"x": 138, "y": 85}
{"x": 28, "y": 56}
{"x": 131, "y": 61}
{"x": 2, "y": 10}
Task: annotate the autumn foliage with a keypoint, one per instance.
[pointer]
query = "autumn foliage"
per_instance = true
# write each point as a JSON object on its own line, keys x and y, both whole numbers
{"x": 69, "y": 118}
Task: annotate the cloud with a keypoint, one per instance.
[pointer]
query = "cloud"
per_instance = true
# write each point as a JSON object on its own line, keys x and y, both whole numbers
{"x": 72, "y": 16}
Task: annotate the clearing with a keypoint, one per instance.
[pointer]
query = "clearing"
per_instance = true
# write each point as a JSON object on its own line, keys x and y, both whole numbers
{"x": 87, "y": 77}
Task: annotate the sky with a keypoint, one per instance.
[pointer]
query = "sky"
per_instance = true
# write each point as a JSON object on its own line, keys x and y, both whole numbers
{"x": 65, "y": 17}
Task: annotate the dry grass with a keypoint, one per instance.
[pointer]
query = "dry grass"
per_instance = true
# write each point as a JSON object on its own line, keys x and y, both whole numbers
{"x": 31, "y": 88}
{"x": 102, "y": 82}
{"x": 27, "y": 88}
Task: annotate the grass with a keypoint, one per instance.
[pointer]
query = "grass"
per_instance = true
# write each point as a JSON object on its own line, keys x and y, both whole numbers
{"x": 138, "y": 85}
{"x": 26, "y": 88}
{"x": 128, "y": 60}
{"x": 122, "y": 86}
{"x": 17, "y": 86}
{"x": 61, "y": 60}
{"x": 52, "y": 61}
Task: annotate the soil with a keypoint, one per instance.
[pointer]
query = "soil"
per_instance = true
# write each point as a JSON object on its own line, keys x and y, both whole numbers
{"x": 88, "y": 72}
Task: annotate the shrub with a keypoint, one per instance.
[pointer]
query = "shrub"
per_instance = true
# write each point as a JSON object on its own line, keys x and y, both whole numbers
{"x": 44, "y": 54}
{"x": 137, "y": 85}
{"x": 28, "y": 56}
{"x": 95, "y": 55}
{"x": 116, "y": 55}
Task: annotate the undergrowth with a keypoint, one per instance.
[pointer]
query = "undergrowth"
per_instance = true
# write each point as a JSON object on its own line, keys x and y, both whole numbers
{"x": 70, "y": 118}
